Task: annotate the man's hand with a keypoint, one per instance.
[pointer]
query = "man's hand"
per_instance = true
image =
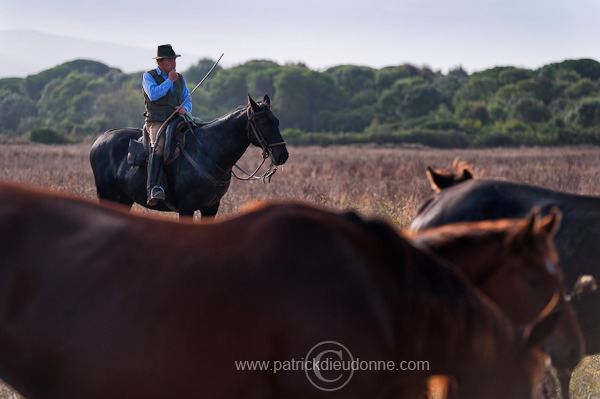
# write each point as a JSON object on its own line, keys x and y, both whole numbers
{"x": 181, "y": 110}
{"x": 173, "y": 75}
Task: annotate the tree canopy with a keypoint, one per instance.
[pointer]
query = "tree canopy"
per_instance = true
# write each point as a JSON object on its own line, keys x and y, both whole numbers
{"x": 558, "y": 103}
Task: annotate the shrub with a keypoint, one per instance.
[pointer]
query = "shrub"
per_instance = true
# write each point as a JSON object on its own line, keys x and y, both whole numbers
{"x": 441, "y": 124}
{"x": 587, "y": 114}
{"x": 438, "y": 138}
{"x": 529, "y": 109}
{"x": 47, "y": 136}
{"x": 494, "y": 140}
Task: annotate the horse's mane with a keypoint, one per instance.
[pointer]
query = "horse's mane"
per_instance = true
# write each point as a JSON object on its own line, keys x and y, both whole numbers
{"x": 235, "y": 112}
{"x": 461, "y": 235}
{"x": 439, "y": 304}
{"x": 469, "y": 234}
{"x": 226, "y": 116}
{"x": 441, "y": 301}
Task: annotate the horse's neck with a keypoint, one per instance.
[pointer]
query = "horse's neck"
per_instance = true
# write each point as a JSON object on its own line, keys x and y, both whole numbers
{"x": 449, "y": 322}
{"x": 225, "y": 140}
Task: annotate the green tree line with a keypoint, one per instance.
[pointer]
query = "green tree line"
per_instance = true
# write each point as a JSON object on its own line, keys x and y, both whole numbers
{"x": 558, "y": 103}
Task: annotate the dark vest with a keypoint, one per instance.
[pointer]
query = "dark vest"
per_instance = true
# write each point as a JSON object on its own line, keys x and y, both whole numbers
{"x": 162, "y": 108}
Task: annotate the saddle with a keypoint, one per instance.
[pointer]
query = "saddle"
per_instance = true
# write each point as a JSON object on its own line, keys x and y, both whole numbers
{"x": 175, "y": 132}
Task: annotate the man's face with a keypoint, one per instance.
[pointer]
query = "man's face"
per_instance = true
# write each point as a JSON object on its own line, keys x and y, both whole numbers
{"x": 167, "y": 64}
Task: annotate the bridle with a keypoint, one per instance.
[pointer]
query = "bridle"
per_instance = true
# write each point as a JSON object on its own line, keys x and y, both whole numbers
{"x": 251, "y": 128}
{"x": 267, "y": 150}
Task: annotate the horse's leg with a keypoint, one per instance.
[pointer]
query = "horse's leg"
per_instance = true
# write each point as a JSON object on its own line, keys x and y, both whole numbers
{"x": 126, "y": 202}
{"x": 564, "y": 377}
{"x": 209, "y": 212}
{"x": 186, "y": 215}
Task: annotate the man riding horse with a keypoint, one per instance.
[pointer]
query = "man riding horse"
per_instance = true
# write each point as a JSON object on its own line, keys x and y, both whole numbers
{"x": 165, "y": 92}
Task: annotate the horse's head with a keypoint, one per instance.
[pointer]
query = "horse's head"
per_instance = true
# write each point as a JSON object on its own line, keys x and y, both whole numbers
{"x": 263, "y": 130}
{"x": 514, "y": 262}
{"x": 441, "y": 180}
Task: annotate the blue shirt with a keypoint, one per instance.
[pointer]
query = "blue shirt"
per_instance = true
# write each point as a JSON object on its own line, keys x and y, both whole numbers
{"x": 156, "y": 91}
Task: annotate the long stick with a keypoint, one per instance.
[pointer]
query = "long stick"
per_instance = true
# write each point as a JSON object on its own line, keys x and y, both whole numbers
{"x": 187, "y": 98}
{"x": 203, "y": 79}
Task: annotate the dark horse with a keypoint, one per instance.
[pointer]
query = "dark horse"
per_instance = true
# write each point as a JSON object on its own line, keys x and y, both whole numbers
{"x": 461, "y": 197}
{"x": 200, "y": 176}
{"x": 87, "y": 315}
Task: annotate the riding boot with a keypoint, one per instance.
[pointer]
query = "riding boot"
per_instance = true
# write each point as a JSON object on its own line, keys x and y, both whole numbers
{"x": 155, "y": 191}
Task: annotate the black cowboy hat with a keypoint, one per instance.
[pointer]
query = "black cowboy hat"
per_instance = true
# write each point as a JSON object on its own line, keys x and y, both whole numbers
{"x": 165, "y": 51}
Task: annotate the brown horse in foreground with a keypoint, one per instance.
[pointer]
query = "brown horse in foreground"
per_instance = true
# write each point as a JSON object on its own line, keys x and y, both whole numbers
{"x": 459, "y": 196}
{"x": 504, "y": 276}
{"x": 86, "y": 313}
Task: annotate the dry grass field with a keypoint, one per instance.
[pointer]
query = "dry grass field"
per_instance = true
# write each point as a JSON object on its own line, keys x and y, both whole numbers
{"x": 377, "y": 181}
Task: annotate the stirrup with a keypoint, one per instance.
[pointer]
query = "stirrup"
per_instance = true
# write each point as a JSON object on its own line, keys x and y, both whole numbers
{"x": 157, "y": 193}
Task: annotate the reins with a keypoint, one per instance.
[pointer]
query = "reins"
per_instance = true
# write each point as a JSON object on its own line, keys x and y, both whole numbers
{"x": 266, "y": 152}
{"x": 552, "y": 306}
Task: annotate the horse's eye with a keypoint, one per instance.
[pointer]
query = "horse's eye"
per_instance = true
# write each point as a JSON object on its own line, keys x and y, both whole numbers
{"x": 550, "y": 267}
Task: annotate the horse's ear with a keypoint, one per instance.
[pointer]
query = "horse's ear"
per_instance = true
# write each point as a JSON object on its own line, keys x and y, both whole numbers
{"x": 466, "y": 175}
{"x": 267, "y": 100}
{"x": 440, "y": 180}
{"x": 551, "y": 223}
{"x": 253, "y": 104}
{"x": 435, "y": 179}
{"x": 528, "y": 228}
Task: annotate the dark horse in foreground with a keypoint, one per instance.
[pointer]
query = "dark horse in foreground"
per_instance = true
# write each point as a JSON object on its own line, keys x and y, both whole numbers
{"x": 461, "y": 197}
{"x": 87, "y": 315}
{"x": 200, "y": 176}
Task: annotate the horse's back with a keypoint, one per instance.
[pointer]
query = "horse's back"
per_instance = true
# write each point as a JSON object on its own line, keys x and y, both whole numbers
{"x": 92, "y": 297}
{"x": 490, "y": 199}
{"x": 483, "y": 199}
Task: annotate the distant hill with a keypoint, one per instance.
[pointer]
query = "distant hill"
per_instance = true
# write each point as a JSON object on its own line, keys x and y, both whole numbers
{"x": 31, "y": 52}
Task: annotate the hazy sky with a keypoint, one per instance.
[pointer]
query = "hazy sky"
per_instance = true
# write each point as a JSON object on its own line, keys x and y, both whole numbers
{"x": 442, "y": 34}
